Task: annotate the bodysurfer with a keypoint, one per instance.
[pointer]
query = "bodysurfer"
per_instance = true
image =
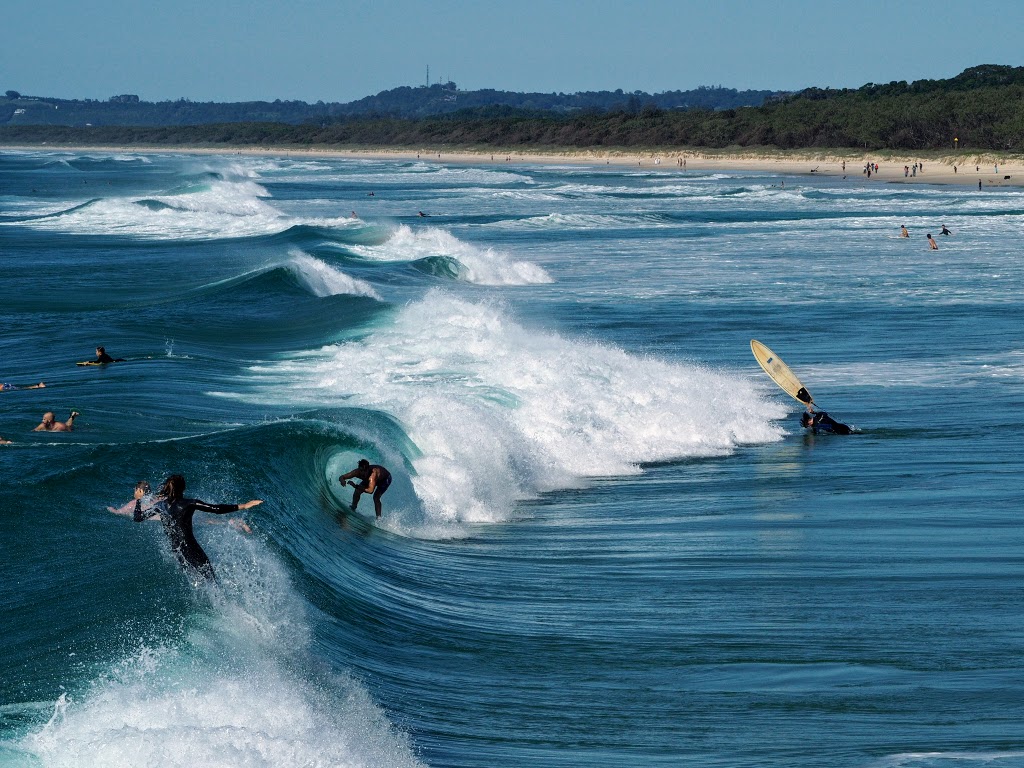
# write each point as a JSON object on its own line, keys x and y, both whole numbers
{"x": 375, "y": 479}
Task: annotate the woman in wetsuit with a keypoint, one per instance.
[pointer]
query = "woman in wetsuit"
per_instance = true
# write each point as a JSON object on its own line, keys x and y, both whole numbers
{"x": 175, "y": 513}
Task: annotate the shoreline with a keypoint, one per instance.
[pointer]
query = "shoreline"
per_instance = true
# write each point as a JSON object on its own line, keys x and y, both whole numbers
{"x": 937, "y": 168}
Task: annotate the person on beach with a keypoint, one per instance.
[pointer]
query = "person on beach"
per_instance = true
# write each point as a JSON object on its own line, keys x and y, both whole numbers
{"x": 102, "y": 358}
{"x": 979, "y": 185}
{"x": 903, "y": 231}
{"x": 5, "y": 387}
{"x": 945, "y": 230}
{"x": 375, "y": 479}
{"x": 931, "y": 242}
{"x": 49, "y": 424}
{"x": 175, "y": 512}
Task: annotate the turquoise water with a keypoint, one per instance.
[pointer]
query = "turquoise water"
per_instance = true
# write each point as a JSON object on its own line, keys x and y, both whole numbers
{"x": 607, "y": 543}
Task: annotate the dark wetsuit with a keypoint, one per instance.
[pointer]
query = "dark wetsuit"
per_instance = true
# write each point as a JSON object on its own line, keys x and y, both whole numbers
{"x": 822, "y": 422}
{"x": 176, "y": 517}
{"x": 105, "y": 358}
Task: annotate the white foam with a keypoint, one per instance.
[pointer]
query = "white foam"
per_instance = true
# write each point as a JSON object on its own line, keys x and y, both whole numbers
{"x": 483, "y": 266}
{"x": 321, "y": 279}
{"x": 227, "y": 692}
{"x": 500, "y": 413}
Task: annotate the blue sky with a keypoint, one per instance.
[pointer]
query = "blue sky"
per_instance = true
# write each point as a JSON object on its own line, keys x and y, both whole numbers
{"x": 237, "y": 50}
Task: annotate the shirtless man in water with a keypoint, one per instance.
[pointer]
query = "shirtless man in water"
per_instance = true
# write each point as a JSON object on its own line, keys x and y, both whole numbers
{"x": 376, "y": 480}
{"x": 50, "y": 425}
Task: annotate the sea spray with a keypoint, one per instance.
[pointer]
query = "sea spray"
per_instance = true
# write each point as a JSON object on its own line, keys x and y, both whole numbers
{"x": 501, "y": 413}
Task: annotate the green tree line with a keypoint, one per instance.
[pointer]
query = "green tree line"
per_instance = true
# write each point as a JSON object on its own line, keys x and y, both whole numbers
{"x": 981, "y": 109}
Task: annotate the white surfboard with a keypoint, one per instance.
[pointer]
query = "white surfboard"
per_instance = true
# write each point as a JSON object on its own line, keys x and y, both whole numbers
{"x": 780, "y": 372}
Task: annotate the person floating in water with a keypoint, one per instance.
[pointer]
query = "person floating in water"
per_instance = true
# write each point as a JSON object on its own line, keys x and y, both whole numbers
{"x": 375, "y": 479}
{"x": 931, "y": 242}
{"x": 5, "y": 442}
{"x": 49, "y": 424}
{"x": 820, "y": 421}
{"x": 903, "y": 231}
{"x": 175, "y": 513}
{"x": 102, "y": 358}
{"x": 5, "y": 387}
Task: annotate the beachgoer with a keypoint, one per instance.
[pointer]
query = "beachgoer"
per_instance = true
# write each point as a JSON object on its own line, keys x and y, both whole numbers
{"x": 945, "y": 230}
{"x": 4, "y": 442}
{"x": 5, "y": 387}
{"x": 903, "y": 231}
{"x": 49, "y": 425}
{"x": 102, "y": 358}
{"x": 375, "y": 479}
{"x": 820, "y": 421}
{"x": 175, "y": 514}
{"x": 979, "y": 185}
{"x": 931, "y": 242}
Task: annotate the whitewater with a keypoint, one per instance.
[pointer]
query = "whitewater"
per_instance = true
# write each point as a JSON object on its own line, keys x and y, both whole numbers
{"x": 607, "y": 541}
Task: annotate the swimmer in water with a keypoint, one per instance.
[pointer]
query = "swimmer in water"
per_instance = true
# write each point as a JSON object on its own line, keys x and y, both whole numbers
{"x": 5, "y": 387}
{"x": 903, "y": 231}
{"x": 48, "y": 423}
{"x": 931, "y": 242}
{"x": 175, "y": 513}
{"x": 376, "y": 480}
{"x": 102, "y": 358}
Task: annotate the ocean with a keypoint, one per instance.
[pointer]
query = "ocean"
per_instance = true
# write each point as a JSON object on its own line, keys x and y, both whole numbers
{"x": 608, "y": 541}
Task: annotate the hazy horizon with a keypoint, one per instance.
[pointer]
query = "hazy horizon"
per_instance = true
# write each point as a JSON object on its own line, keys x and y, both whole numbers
{"x": 341, "y": 52}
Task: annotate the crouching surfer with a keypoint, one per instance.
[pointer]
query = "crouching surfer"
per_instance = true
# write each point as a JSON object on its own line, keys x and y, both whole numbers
{"x": 375, "y": 479}
{"x": 820, "y": 421}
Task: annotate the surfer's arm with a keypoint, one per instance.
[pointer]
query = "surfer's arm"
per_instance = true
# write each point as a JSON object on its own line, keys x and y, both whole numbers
{"x": 141, "y": 514}
{"x": 223, "y": 509}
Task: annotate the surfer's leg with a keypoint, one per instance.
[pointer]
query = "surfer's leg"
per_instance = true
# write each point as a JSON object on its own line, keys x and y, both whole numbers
{"x": 356, "y": 495}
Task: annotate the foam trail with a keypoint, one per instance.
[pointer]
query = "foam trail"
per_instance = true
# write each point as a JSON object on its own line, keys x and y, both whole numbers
{"x": 226, "y": 693}
{"x": 480, "y": 266}
{"x": 501, "y": 413}
{"x": 322, "y": 279}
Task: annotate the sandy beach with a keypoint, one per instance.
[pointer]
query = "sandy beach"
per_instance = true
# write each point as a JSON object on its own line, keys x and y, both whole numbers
{"x": 967, "y": 169}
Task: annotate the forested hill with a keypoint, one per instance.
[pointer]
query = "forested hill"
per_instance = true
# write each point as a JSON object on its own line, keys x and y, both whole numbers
{"x": 981, "y": 109}
{"x": 404, "y": 102}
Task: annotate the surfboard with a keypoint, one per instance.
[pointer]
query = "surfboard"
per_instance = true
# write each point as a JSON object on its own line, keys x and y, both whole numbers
{"x": 89, "y": 362}
{"x": 780, "y": 372}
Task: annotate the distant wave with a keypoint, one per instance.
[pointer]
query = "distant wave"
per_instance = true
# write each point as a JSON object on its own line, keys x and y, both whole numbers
{"x": 482, "y": 266}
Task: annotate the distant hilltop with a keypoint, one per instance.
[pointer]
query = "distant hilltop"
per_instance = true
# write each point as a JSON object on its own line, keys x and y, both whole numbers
{"x": 403, "y": 102}
{"x": 981, "y": 109}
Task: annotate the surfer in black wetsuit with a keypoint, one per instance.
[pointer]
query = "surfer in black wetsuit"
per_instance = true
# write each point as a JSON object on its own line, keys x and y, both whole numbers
{"x": 819, "y": 421}
{"x": 376, "y": 480}
{"x": 102, "y": 358}
{"x": 175, "y": 513}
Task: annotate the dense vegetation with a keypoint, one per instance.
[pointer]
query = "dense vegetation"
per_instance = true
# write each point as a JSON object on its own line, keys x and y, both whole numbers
{"x": 405, "y": 102}
{"x": 982, "y": 108}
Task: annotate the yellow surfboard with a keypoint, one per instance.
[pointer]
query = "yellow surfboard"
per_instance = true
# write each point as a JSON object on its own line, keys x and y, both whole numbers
{"x": 780, "y": 372}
